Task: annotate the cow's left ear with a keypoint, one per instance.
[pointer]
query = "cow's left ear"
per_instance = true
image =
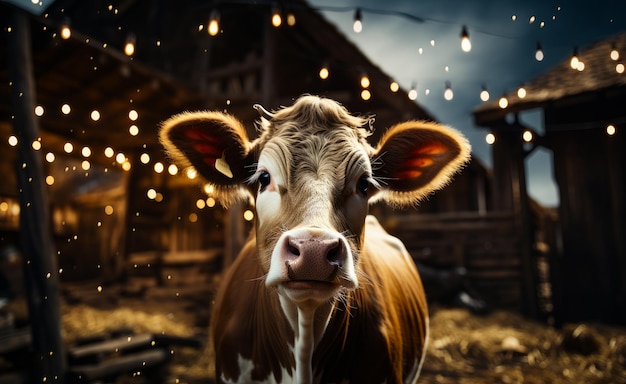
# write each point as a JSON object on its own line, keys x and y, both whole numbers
{"x": 415, "y": 158}
{"x": 216, "y": 145}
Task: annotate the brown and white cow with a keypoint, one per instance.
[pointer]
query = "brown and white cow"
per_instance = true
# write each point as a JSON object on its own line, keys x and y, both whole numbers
{"x": 320, "y": 293}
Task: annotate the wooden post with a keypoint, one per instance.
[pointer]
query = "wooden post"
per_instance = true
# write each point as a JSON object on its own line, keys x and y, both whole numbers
{"x": 40, "y": 265}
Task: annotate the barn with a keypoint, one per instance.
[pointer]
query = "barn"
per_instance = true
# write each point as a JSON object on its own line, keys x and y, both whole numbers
{"x": 583, "y": 119}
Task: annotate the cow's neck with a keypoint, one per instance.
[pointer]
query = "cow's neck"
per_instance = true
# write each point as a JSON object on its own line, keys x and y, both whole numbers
{"x": 308, "y": 322}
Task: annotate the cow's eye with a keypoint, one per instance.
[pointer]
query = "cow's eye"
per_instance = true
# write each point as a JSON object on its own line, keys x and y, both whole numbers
{"x": 264, "y": 180}
{"x": 362, "y": 185}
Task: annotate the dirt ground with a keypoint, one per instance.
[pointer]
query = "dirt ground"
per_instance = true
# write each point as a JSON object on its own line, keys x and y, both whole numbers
{"x": 500, "y": 347}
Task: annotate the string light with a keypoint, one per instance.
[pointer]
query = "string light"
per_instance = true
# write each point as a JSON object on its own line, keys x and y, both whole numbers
{"x": 574, "y": 60}
{"x": 539, "y": 53}
{"x": 413, "y": 92}
{"x": 66, "y": 31}
{"x": 619, "y": 68}
{"x": 66, "y": 109}
{"x": 394, "y": 86}
{"x": 12, "y": 141}
{"x": 466, "y": 44}
{"x": 324, "y": 72}
{"x": 129, "y": 47}
{"x": 490, "y": 138}
{"x": 484, "y": 94}
{"x": 610, "y": 129}
{"x": 39, "y": 111}
{"x": 291, "y": 19}
{"x": 614, "y": 53}
{"x": 447, "y": 93}
{"x": 214, "y": 27}
{"x": 357, "y": 27}
{"x": 365, "y": 81}
{"x": 503, "y": 102}
{"x": 366, "y": 94}
{"x": 521, "y": 92}
{"x": 276, "y": 19}
{"x": 527, "y": 136}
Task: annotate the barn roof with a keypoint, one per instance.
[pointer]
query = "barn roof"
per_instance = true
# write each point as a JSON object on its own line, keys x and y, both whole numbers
{"x": 562, "y": 83}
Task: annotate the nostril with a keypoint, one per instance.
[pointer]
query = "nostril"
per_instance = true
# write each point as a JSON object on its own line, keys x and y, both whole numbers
{"x": 292, "y": 247}
{"x": 333, "y": 254}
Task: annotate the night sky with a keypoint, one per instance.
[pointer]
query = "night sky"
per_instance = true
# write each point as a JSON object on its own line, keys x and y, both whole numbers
{"x": 504, "y": 37}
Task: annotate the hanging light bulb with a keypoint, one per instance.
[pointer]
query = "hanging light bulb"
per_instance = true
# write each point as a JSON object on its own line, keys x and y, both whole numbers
{"x": 490, "y": 138}
{"x": 214, "y": 23}
{"x": 574, "y": 60}
{"x": 539, "y": 52}
{"x": 129, "y": 48}
{"x": 365, "y": 81}
{"x": 358, "y": 25}
{"x": 394, "y": 86}
{"x": 527, "y": 136}
{"x": 413, "y": 92}
{"x": 447, "y": 93}
{"x": 610, "y": 129}
{"x": 614, "y": 53}
{"x": 277, "y": 20}
{"x": 324, "y": 72}
{"x": 484, "y": 94}
{"x": 66, "y": 31}
{"x": 466, "y": 44}
{"x": 521, "y": 92}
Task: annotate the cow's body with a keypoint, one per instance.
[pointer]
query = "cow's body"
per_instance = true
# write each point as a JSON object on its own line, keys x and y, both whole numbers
{"x": 320, "y": 292}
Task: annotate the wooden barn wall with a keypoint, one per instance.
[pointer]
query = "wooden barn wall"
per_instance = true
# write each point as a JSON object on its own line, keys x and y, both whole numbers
{"x": 590, "y": 279}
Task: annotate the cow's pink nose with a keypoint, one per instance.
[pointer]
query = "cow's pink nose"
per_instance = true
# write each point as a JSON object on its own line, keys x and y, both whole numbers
{"x": 313, "y": 258}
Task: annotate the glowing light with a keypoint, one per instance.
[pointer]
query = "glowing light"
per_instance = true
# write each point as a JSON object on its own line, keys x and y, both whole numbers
{"x": 324, "y": 73}
{"x": 158, "y": 167}
{"x": 108, "y": 210}
{"x": 366, "y": 94}
{"x": 126, "y": 166}
{"x": 65, "y": 108}
{"x": 214, "y": 23}
{"x": 86, "y": 152}
{"x": 133, "y": 130}
{"x": 36, "y": 145}
{"x": 610, "y": 130}
{"x": 133, "y": 115}
{"x": 4, "y": 206}
{"x": 619, "y": 68}
{"x": 539, "y": 56}
{"x": 95, "y": 115}
{"x": 172, "y": 169}
{"x": 210, "y": 202}
{"x": 357, "y": 27}
{"x": 159, "y": 197}
{"x": 527, "y": 136}
{"x": 412, "y": 93}
{"x": 191, "y": 173}
{"x": 291, "y": 19}
{"x": 39, "y": 111}
{"x": 521, "y": 92}
{"x": 129, "y": 47}
{"x": 531, "y": 20}
{"x": 200, "y": 203}
{"x": 109, "y": 152}
{"x": 513, "y": 17}
{"x": 68, "y": 147}
{"x": 432, "y": 43}
{"x": 448, "y": 94}
{"x": 193, "y": 217}
{"x": 66, "y": 31}
{"x": 466, "y": 44}
{"x": 484, "y": 94}
{"x": 50, "y": 180}
{"x": 50, "y": 157}
{"x": 248, "y": 215}
{"x": 581, "y": 66}
{"x": 394, "y": 87}
{"x": 209, "y": 189}
{"x": 503, "y": 102}
{"x": 276, "y": 19}
{"x": 151, "y": 194}
{"x": 365, "y": 81}
{"x": 574, "y": 60}
{"x": 144, "y": 158}
{"x": 490, "y": 138}
{"x": 85, "y": 165}
{"x": 614, "y": 54}
{"x": 12, "y": 141}
{"x": 120, "y": 158}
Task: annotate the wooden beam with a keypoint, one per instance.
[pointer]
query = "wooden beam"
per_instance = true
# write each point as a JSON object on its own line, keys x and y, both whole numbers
{"x": 40, "y": 265}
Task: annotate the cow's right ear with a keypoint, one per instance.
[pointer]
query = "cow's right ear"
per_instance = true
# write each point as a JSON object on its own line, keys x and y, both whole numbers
{"x": 216, "y": 145}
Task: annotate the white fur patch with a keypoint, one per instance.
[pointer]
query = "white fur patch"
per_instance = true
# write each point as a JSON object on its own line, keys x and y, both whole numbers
{"x": 245, "y": 376}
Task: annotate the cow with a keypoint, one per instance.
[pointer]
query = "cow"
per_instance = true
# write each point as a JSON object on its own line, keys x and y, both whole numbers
{"x": 320, "y": 293}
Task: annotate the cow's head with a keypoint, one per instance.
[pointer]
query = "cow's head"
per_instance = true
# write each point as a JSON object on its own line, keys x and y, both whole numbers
{"x": 312, "y": 174}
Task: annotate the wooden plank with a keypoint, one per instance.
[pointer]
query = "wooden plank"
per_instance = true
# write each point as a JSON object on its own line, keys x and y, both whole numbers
{"x": 15, "y": 339}
{"x": 114, "y": 367}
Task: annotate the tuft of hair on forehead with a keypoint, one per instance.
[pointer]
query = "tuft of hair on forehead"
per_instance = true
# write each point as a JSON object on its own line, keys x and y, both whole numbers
{"x": 314, "y": 114}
